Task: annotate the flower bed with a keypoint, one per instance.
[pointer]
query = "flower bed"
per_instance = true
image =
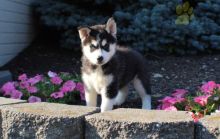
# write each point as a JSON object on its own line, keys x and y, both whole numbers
{"x": 205, "y": 102}
{"x": 67, "y": 88}
{"x": 57, "y": 88}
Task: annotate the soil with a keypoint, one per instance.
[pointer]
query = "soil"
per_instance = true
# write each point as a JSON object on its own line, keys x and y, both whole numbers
{"x": 167, "y": 72}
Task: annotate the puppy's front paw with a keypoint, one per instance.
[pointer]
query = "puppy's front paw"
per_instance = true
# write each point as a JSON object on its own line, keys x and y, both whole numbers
{"x": 107, "y": 104}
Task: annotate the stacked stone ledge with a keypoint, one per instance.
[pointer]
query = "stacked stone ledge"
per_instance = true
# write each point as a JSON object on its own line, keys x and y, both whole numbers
{"x": 44, "y": 121}
{"x": 139, "y": 124}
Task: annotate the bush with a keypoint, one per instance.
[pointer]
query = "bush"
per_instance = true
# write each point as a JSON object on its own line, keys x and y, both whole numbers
{"x": 144, "y": 24}
{"x": 57, "y": 88}
{"x": 204, "y": 103}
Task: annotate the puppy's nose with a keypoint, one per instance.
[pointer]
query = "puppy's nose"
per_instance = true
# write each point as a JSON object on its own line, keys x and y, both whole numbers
{"x": 100, "y": 59}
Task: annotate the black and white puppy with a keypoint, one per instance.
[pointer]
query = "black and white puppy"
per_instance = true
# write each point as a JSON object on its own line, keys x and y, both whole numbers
{"x": 107, "y": 68}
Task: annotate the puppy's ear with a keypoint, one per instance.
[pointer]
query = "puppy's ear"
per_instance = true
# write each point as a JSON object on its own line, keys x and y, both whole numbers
{"x": 111, "y": 26}
{"x": 83, "y": 32}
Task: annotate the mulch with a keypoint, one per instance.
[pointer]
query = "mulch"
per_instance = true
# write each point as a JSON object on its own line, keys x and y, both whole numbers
{"x": 167, "y": 72}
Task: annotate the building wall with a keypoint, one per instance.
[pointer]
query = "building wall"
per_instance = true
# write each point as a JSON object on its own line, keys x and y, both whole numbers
{"x": 16, "y": 28}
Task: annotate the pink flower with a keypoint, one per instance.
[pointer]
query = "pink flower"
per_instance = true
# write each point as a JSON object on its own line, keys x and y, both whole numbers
{"x": 170, "y": 108}
{"x": 57, "y": 95}
{"x": 80, "y": 88}
{"x": 22, "y": 77}
{"x": 165, "y": 106}
{"x": 179, "y": 93}
{"x": 68, "y": 86}
{"x": 202, "y": 100}
{"x": 196, "y": 116}
{"x": 168, "y": 103}
{"x": 56, "y": 80}
{"x": 172, "y": 100}
{"x": 218, "y": 86}
{"x": 16, "y": 94}
{"x": 33, "y": 99}
{"x": 208, "y": 87}
{"x": 32, "y": 89}
{"x": 35, "y": 79}
{"x": 51, "y": 74}
{"x": 24, "y": 84}
{"x": 7, "y": 88}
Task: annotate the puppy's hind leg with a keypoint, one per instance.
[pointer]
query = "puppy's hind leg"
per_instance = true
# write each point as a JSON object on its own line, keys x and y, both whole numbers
{"x": 121, "y": 96}
{"x": 142, "y": 91}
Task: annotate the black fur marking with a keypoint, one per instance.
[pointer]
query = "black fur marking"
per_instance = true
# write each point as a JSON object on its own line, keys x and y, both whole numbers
{"x": 112, "y": 90}
{"x": 93, "y": 32}
{"x": 104, "y": 35}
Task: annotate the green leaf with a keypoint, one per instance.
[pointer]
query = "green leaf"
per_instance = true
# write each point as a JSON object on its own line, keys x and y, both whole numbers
{"x": 190, "y": 11}
{"x": 182, "y": 20}
{"x": 179, "y": 9}
{"x": 186, "y": 6}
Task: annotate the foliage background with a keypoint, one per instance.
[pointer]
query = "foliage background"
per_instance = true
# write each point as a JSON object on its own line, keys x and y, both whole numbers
{"x": 146, "y": 25}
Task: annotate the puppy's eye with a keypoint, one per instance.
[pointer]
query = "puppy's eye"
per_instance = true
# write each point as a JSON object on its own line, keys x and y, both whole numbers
{"x": 93, "y": 46}
{"x": 106, "y": 47}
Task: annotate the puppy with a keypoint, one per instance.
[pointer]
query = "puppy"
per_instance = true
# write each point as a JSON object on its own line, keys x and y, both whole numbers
{"x": 107, "y": 68}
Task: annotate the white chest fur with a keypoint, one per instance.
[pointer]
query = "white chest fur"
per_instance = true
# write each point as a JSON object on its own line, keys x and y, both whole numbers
{"x": 97, "y": 81}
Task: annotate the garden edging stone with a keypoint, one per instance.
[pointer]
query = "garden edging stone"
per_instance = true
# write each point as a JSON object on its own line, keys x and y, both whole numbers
{"x": 140, "y": 124}
{"x": 44, "y": 120}
{"x": 4, "y": 102}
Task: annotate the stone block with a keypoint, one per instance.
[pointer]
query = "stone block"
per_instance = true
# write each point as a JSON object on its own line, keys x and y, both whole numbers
{"x": 44, "y": 121}
{"x": 139, "y": 124}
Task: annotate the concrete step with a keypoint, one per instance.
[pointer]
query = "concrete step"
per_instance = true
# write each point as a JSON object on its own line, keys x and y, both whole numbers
{"x": 44, "y": 121}
{"x": 139, "y": 124}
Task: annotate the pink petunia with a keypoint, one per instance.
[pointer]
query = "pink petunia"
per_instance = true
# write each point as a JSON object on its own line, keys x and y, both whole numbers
{"x": 33, "y": 99}
{"x": 24, "y": 84}
{"x": 196, "y": 116}
{"x": 57, "y": 95}
{"x": 7, "y": 88}
{"x": 179, "y": 93}
{"x": 68, "y": 86}
{"x": 16, "y": 94}
{"x": 22, "y": 77}
{"x": 80, "y": 88}
{"x": 56, "y": 80}
{"x": 208, "y": 87}
{"x": 218, "y": 86}
{"x": 170, "y": 108}
{"x": 165, "y": 105}
{"x": 32, "y": 89}
{"x": 171, "y": 100}
{"x": 202, "y": 100}
{"x": 51, "y": 74}
{"x": 35, "y": 79}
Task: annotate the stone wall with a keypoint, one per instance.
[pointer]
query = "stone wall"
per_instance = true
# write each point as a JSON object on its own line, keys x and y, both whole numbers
{"x": 21, "y": 120}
